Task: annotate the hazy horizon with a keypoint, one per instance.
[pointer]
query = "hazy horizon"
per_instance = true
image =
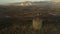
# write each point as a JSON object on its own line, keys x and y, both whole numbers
{"x": 13, "y": 1}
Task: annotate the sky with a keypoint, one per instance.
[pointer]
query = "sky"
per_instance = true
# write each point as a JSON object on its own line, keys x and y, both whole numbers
{"x": 12, "y": 1}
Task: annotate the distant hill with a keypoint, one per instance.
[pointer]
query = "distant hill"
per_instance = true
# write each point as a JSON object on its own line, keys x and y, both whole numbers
{"x": 16, "y": 9}
{"x": 32, "y": 3}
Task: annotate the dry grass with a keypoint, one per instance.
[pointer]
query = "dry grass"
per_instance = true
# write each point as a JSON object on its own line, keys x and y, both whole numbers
{"x": 17, "y": 28}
